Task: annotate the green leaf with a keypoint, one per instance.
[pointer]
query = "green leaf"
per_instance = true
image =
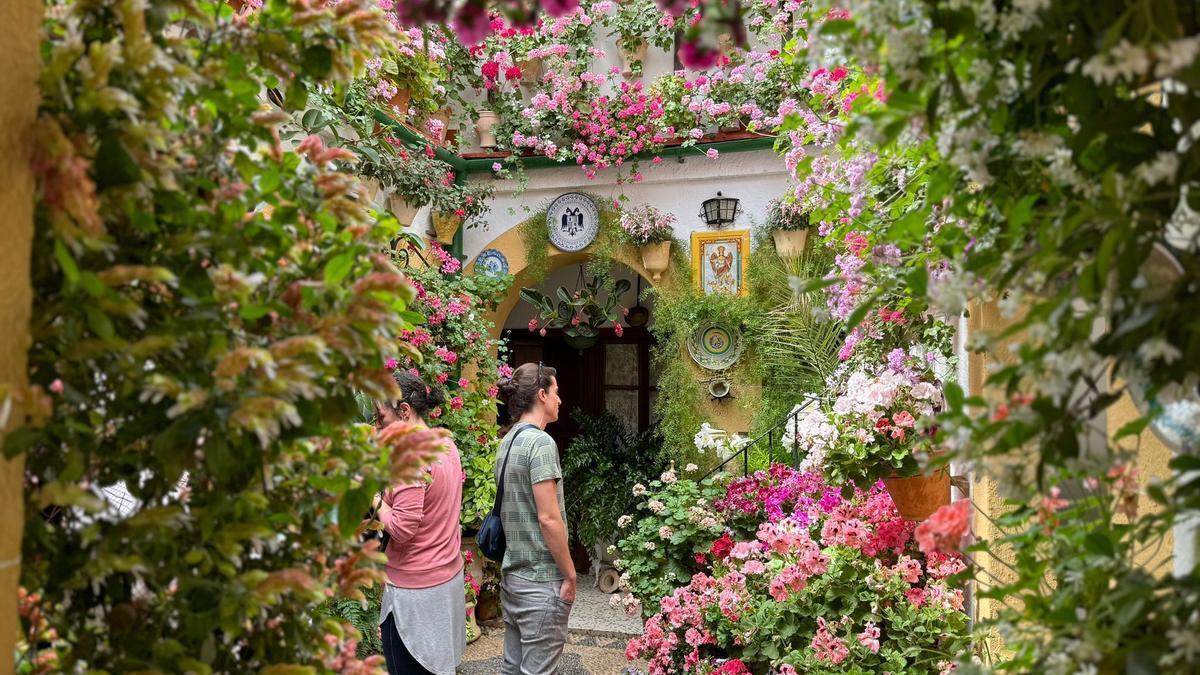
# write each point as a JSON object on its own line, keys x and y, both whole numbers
{"x": 338, "y": 268}
{"x": 317, "y": 61}
{"x": 309, "y": 120}
{"x": 66, "y": 262}
{"x": 1132, "y": 428}
{"x": 1099, "y": 544}
{"x": 954, "y": 395}
{"x": 353, "y": 507}
{"x": 114, "y": 166}
{"x": 100, "y": 324}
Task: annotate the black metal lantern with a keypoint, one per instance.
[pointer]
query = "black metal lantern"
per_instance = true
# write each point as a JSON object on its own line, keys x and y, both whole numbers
{"x": 719, "y": 211}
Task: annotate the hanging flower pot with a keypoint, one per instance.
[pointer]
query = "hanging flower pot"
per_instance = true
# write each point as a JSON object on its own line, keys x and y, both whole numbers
{"x": 630, "y": 54}
{"x": 656, "y": 258}
{"x": 790, "y": 243}
{"x": 531, "y": 71}
{"x": 919, "y": 496}
{"x": 446, "y": 225}
{"x": 236, "y": 5}
{"x": 581, "y": 342}
{"x": 404, "y": 212}
{"x": 485, "y": 128}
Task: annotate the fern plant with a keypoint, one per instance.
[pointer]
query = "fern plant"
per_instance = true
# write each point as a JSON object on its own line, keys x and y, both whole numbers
{"x": 363, "y": 615}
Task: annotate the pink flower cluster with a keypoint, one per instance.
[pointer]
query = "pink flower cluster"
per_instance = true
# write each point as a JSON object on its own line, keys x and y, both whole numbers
{"x": 803, "y": 526}
{"x": 618, "y": 128}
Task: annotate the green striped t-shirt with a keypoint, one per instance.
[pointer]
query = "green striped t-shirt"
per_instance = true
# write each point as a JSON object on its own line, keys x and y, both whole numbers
{"x": 534, "y": 459}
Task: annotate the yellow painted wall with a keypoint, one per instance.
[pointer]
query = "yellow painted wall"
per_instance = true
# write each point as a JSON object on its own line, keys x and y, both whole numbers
{"x": 19, "y": 21}
{"x": 1151, "y": 460}
{"x": 730, "y": 415}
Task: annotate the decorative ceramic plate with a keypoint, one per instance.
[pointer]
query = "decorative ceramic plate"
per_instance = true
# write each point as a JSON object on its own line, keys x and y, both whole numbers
{"x": 492, "y": 262}
{"x": 573, "y": 221}
{"x": 715, "y": 346}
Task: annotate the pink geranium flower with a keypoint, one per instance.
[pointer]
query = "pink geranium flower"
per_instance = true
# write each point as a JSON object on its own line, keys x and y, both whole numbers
{"x": 944, "y": 530}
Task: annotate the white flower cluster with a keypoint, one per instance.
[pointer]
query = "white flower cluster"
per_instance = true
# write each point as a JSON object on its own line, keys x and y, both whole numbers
{"x": 810, "y": 432}
{"x": 711, "y": 438}
{"x": 1126, "y": 61}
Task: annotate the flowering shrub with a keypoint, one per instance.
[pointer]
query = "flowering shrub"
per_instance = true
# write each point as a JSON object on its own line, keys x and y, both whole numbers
{"x": 1083, "y": 531}
{"x": 646, "y": 225}
{"x": 455, "y": 346}
{"x": 809, "y": 582}
{"x": 670, "y": 540}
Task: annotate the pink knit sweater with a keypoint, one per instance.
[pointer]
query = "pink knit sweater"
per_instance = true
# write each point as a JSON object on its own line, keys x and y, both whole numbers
{"x": 426, "y": 545}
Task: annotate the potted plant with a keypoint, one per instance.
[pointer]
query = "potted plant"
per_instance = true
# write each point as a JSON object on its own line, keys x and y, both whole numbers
{"x": 882, "y": 431}
{"x": 416, "y": 75}
{"x": 635, "y": 24}
{"x": 650, "y": 230}
{"x": 788, "y": 224}
{"x": 580, "y": 313}
{"x": 674, "y": 92}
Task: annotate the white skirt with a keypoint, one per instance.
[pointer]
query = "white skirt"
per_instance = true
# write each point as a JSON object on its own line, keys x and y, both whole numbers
{"x": 431, "y": 622}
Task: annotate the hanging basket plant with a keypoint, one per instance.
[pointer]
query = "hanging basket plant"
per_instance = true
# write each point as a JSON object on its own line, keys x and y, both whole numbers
{"x": 579, "y": 313}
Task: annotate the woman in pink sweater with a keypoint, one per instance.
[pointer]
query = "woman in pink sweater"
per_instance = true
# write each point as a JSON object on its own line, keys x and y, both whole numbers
{"x": 423, "y": 611}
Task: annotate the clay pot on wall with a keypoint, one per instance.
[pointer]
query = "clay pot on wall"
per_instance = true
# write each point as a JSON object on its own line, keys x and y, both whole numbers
{"x": 399, "y": 102}
{"x": 630, "y": 54}
{"x": 790, "y": 243}
{"x": 485, "y": 128}
{"x": 445, "y": 225}
{"x": 442, "y": 116}
{"x": 656, "y": 258}
{"x": 404, "y": 212}
{"x": 531, "y": 71}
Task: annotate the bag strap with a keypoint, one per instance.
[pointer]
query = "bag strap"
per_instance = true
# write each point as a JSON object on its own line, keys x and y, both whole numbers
{"x": 504, "y": 469}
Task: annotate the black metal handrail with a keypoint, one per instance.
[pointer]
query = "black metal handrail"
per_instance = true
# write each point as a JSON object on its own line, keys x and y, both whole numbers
{"x": 744, "y": 452}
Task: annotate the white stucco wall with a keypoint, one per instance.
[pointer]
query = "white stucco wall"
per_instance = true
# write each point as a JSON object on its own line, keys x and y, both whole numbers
{"x": 754, "y": 177}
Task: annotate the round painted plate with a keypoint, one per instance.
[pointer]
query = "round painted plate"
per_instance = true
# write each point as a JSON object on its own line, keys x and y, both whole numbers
{"x": 715, "y": 346}
{"x": 492, "y": 262}
{"x": 573, "y": 221}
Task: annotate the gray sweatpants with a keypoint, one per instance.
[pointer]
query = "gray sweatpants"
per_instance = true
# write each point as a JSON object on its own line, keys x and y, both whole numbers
{"x": 535, "y": 625}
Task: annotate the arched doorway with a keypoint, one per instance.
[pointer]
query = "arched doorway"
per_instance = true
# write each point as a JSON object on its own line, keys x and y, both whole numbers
{"x": 617, "y": 374}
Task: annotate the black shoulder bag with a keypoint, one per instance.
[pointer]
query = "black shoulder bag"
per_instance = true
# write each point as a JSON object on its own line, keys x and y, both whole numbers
{"x": 490, "y": 537}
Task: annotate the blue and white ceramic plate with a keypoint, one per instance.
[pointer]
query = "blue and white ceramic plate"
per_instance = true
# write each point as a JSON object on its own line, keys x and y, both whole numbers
{"x": 492, "y": 262}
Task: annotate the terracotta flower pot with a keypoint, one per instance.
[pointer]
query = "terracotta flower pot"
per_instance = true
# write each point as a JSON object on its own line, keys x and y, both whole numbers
{"x": 630, "y": 54}
{"x": 485, "y": 128}
{"x": 236, "y": 5}
{"x": 656, "y": 258}
{"x": 919, "y": 496}
{"x": 790, "y": 243}
{"x": 442, "y": 116}
{"x": 531, "y": 71}
{"x": 399, "y": 102}
{"x": 487, "y": 608}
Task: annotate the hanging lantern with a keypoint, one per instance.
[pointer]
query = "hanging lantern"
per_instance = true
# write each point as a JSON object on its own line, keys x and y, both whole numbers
{"x": 719, "y": 211}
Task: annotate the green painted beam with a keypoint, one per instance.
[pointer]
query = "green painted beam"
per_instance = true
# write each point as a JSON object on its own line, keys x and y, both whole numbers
{"x": 415, "y": 139}
{"x": 543, "y": 162}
